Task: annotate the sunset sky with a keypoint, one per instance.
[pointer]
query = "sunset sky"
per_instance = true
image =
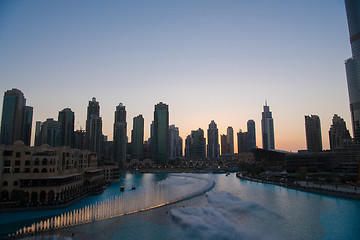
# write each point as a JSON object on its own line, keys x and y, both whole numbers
{"x": 207, "y": 59}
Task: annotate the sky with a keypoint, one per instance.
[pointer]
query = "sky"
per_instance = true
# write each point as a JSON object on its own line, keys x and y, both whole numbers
{"x": 207, "y": 59}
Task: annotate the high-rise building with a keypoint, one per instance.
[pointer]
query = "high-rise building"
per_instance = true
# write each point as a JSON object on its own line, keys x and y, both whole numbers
{"x": 93, "y": 111}
{"x": 197, "y": 145}
{"x": 353, "y": 64}
{"x": 38, "y": 133}
{"x": 213, "y": 147}
{"x": 267, "y": 127}
{"x": 137, "y": 138}
{"x": 95, "y": 136}
{"x": 339, "y": 135}
{"x": 51, "y": 133}
{"x": 313, "y": 133}
{"x": 120, "y": 136}
{"x": 175, "y": 143}
{"x": 250, "y": 135}
{"x": 187, "y": 147}
{"x": 230, "y": 139}
{"x": 160, "y": 139}
{"x": 27, "y": 124}
{"x": 242, "y": 142}
{"x": 224, "y": 145}
{"x": 67, "y": 119}
{"x": 16, "y": 118}
{"x": 79, "y": 139}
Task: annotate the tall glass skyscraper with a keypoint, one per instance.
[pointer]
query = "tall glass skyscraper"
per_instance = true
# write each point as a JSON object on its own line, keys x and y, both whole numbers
{"x": 213, "y": 147}
{"x": 353, "y": 64}
{"x": 267, "y": 127}
{"x": 160, "y": 139}
{"x": 313, "y": 133}
{"x": 16, "y": 118}
{"x": 67, "y": 119}
{"x": 137, "y": 138}
{"x": 120, "y": 136}
{"x": 251, "y": 135}
{"x": 93, "y": 111}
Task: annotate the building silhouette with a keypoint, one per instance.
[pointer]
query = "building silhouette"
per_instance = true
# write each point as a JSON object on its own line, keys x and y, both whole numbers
{"x": 120, "y": 136}
{"x": 230, "y": 140}
{"x": 160, "y": 140}
{"x": 251, "y": 135}
{"x": 224, "y": 145}
{"x": 267, "y": 127}
{"x": 137, "y": 138}
{"x": 37, "y": 141}
{"x": 213, "y": 147}
{"x": 197, "y": 145}
{"x": 93, "y": 111}
{"x": 16, "y": 120}
{"x": 242, "y": 137}
{"x": 51, "y": 133}
{"x": 313, "y": 133}
{"x": 339, "y": 135}
{"x": 67, "y": 119}
{"x": 175, "y": 143}
{"x": 353, "y": 64}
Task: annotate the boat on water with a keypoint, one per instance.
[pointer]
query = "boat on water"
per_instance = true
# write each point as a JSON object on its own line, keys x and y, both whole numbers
{"x": 122, "y": 187}
{"x": 133, "y": 187}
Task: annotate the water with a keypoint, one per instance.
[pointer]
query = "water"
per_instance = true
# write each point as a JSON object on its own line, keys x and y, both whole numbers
{"x": 233, "y": 209}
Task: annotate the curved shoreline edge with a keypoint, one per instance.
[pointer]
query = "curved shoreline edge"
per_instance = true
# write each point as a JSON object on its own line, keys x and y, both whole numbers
{"x": 316, "y": 190}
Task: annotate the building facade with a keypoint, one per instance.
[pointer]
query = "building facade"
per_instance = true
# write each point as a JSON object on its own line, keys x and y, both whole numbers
{"x": 67, "y": 119}
{"x": 120, "y": 136}
{"x": 197, "y": 145}
{"x": 93, "y": 111}
{"x": 137, "y": 138}
{"x": 230, "y": 140}
{"x": 213, "y": 147}
{"x": 51, "y": 133}
{"x": 160, "y": 140}
{"x": 267, "y": 127}
{"x": 353, "y": 64}
{"x": 175, "y": 143}
{"x": 16, "y": 120}
{"x": 45, "y": 175}
{"x": 339, "y": 135}
{"x": 251, "y": 135}
{"x": 313, "y": 133}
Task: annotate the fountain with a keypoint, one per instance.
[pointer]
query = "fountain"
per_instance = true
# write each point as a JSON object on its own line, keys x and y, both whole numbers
{"x": 127, "y": 202}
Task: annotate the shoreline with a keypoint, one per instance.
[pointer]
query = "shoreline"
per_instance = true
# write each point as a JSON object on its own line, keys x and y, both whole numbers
{"x": 316, "y": 190}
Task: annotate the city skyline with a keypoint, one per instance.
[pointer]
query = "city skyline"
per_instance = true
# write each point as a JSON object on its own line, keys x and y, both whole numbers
{"x": 202, "y": 48}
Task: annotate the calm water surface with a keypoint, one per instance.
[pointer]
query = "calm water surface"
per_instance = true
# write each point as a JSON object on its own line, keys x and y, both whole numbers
{"x": 233, "y": 209}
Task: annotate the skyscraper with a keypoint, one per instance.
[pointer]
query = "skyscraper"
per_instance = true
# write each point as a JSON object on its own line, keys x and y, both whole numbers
{"x": 51, "y": 133}
{"x": 38, "y": 133}
{"x": 120, "y": 136}
{"x": 160, "y": 139}
{"x": 230, "y": 140}
{"x": 353, "y": 64}
{"x": 137, "y": 138}
{"x": 224, "y": 145}
{"x": 213, "y": 147}
{"x": 95, "y": 136}
{"x": 267, "y": 127}
{"x": 27, "y": 124}
{"x": 175, "y": 143}
{"x": 93, "y": 111}
{"x": 313, "y": 133}
{"x": 339, "y": 135}
{"x": 197, "y": 145}
{"x": 242, "y": 141}
{"x": 67, "y": 119}
{"x": 16, "y": 118}
{"x": 250, "y": 136}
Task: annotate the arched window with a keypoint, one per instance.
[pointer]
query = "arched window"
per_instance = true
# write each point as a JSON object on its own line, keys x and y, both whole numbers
{"x": 16, "y": 183}
{"x": 44, "y": 170}
{"x": 36, "y": 162}
{"x": 5, "y": 183}
{"x": 44, "y": 161}
{"x": 36, "y": 170}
